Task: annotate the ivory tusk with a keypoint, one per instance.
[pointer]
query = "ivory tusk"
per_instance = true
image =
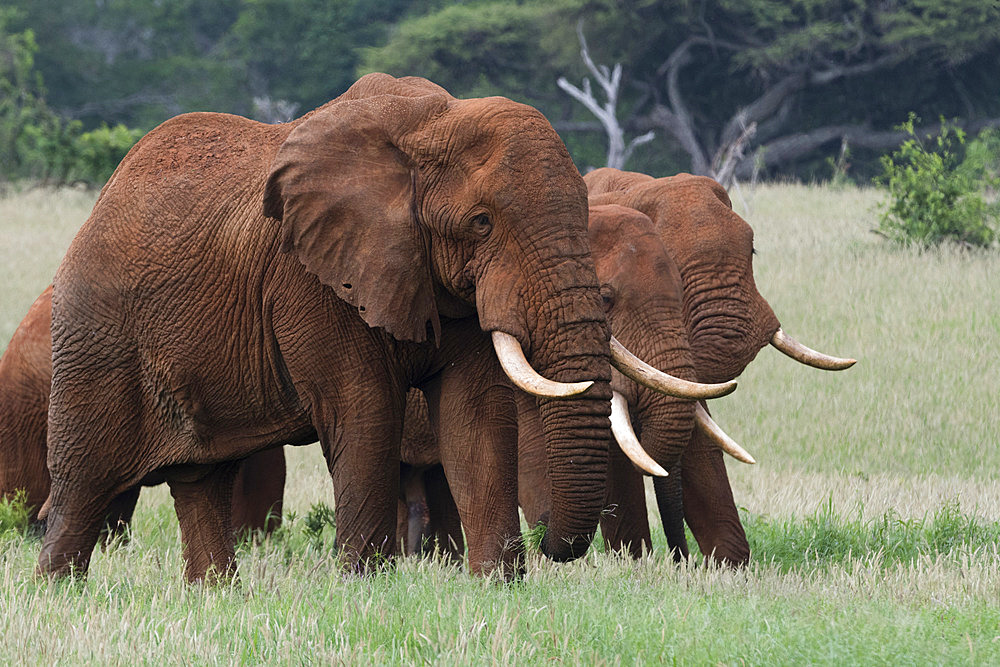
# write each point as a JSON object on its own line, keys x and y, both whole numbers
{"x": 804, "y": 355}
{"x": 621, "y": 427}
{"x": 517, "y": 368}
{"x": 719, "y": 437}
{"x": 635, "y": 368}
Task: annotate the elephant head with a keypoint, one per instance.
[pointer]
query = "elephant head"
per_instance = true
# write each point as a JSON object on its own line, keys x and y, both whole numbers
{"x": 728, "y": 323}
{"x": 414, "y": 206}
{"x": 728, "y": 319}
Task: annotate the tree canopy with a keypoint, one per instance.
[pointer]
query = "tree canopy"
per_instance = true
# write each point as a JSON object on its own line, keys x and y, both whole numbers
{"x": 726, "y": 86}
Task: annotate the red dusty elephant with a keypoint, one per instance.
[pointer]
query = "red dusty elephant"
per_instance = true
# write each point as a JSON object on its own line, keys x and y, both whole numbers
{"x": 643, "y": 298}
{"x": 25, "y": 380}
{"x": 240, "y": 286}
{"x": 728, "y": 323}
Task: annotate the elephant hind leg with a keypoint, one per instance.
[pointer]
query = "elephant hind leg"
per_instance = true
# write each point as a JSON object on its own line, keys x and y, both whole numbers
{"x": 445, "y": 523}
{"x": 258, "y": 493}
{"x": 72, "y": 529}
{"x": 625, "y": 523}
{"x": 204, "y": 510}
{"x": 119, "y": 516}
{"x": 91, "y": 458}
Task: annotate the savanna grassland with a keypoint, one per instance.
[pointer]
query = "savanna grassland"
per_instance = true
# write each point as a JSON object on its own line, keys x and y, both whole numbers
{"x": 873, "y": 513}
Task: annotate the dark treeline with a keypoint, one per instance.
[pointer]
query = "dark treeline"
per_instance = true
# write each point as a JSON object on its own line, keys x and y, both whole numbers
{"x": 729, "y": 88}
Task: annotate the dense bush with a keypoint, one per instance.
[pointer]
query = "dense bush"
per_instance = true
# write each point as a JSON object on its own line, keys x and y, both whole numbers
{"x": 14, "y": 515}
{"x": 35, "y": 142}
{"x": 935, "y": 195}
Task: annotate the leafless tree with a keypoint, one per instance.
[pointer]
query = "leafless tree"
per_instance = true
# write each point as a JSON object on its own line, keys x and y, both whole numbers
{"x": 610, "y": 81}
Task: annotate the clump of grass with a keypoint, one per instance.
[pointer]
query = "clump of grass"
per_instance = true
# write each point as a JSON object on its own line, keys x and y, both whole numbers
{"x": 533, "y": 538}
{"x": 15, "y": 515}
{"x": 826, "y": 538}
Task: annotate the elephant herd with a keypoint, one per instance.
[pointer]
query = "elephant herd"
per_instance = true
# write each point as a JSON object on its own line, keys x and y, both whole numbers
{"x": 428, "y": 287}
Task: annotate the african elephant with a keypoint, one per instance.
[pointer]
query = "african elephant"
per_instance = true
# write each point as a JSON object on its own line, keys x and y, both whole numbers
{"x": 241, "y": 285}
{"x": 25, "y": 379}
{"x": 728, "y": 323}
{"x": 643, "y": 299}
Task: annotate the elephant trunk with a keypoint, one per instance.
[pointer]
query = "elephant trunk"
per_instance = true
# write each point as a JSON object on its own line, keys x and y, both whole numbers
{"x": 577, "y": 434}
{"x": 555, "y": 312}
{"x": 728, "y": 324}
{"x": 570, "y": 343}
{"x": 666, "y": 429}
{"x": 665, "y": 421}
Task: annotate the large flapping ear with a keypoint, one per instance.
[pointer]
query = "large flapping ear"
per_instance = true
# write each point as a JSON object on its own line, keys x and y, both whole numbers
{"x": 345, "y": 194}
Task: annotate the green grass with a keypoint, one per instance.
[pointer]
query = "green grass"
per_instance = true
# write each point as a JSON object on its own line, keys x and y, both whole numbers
{"x": 872, "y": 513}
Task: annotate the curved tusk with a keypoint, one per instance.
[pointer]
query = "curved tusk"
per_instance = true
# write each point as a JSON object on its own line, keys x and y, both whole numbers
{"x": 804, "y": 355}
{"x": 517, "y": 368}
{"x": 719, "y": 437}
{"x": 635, "y": 368}
{"x": 621, "y": 427}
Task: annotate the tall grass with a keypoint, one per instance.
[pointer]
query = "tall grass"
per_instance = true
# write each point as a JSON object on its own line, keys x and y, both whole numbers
{"x": 872, "y": 512}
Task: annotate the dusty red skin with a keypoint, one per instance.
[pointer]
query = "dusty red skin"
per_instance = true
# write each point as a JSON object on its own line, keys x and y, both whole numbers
{"x": 240, "y": 286}
{"x": 641, "y": 287}
{"x": 728, "y": 323}
{"x": 25, "y": 379}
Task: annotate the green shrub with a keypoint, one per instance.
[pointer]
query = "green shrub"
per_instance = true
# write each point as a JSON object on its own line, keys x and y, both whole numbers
{"x": 14, "y": 514}
{"x": 933, "y": 196}
{"x": 98, "y": 152}
{"x": 320, "y": 516}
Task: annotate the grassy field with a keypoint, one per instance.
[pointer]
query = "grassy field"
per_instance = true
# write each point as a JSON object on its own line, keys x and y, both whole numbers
{"x": 873, "y": 513}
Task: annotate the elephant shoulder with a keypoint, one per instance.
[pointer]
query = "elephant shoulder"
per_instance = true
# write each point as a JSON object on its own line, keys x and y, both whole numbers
{"x": 202, "y": 147}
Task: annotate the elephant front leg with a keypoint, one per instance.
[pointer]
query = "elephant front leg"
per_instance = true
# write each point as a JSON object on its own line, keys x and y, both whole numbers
{"x": 362, "y": 453}
{"x": 445, "y": 522}
{"x": 473, "y": 414}
{"x": 624, "y": 522}
{"x": 709, "y": 508}
{"x": 204, "y": 509}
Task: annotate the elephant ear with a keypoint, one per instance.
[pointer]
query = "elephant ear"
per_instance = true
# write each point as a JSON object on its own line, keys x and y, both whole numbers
{"x": 345, "y": 195}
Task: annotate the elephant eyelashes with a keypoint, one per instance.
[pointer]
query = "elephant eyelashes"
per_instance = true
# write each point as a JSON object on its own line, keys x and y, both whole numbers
{"x": 481, "y": 224}
{"x": 607, "y": 297}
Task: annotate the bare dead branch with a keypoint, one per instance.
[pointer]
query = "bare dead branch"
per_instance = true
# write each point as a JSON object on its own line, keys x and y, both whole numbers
{"x": 610, "y": 81}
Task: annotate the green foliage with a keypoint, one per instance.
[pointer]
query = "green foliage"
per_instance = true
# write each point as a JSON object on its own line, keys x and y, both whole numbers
{"x": 34, "y": 141}
{"x": 14, "y": 515}
{"x": 319, "y": 516}
{"x": 97, "y": 153}
{"x": 22, "y": 109}
{"x": 933, "y": 195}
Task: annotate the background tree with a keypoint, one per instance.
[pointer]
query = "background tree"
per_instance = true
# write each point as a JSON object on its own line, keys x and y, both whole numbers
{"x": 728, "y": 86}
{"x": 766, "y": 84}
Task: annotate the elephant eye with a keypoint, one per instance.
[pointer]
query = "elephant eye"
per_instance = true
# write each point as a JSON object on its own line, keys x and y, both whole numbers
{"x": 607, "y": 296}
{"x": 482, "y": 225}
